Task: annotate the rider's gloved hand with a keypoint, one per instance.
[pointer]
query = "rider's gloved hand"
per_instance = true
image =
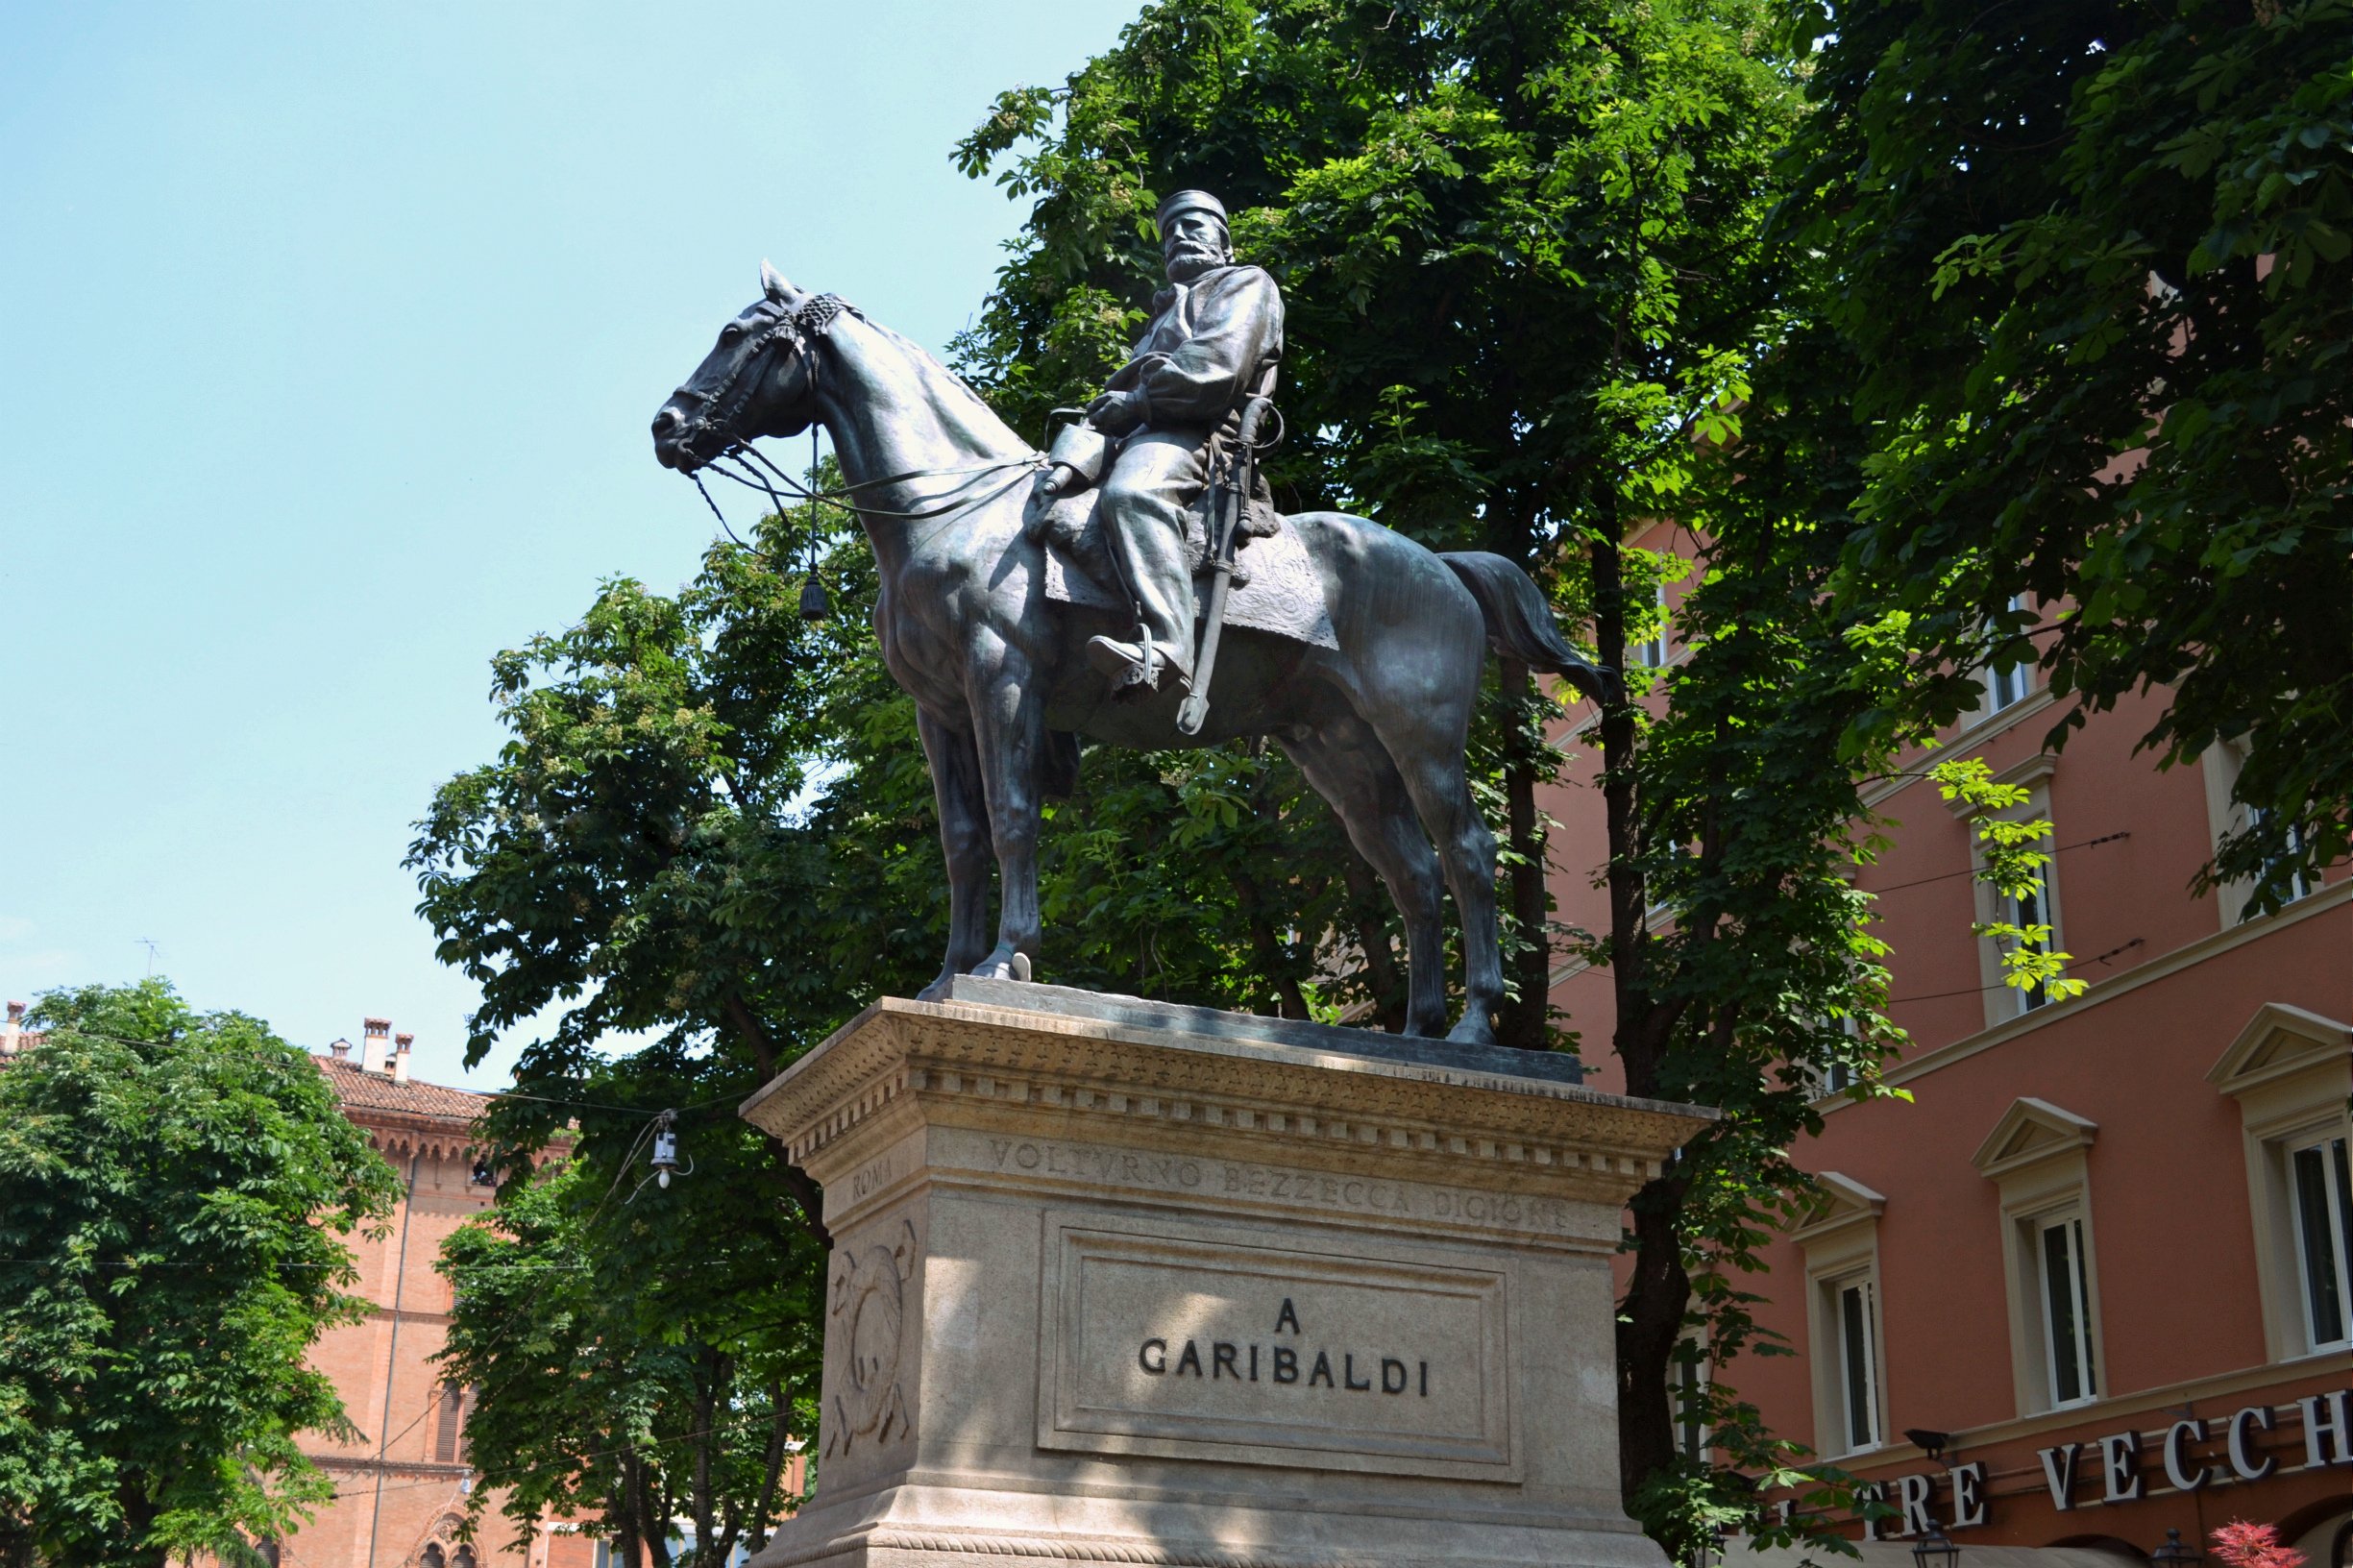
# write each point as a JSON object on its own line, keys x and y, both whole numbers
{"x": 1117, "y": 413}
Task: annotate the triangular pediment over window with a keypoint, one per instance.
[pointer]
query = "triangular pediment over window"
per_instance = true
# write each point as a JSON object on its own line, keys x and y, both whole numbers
{"x": 2279, "y": 1041}
{"x": 1844, "y": 1201}
{"x": 2029, "y": 1132}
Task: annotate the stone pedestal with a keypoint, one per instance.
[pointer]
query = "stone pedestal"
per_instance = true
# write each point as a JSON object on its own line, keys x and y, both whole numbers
{"x": 1115, "y": 1283}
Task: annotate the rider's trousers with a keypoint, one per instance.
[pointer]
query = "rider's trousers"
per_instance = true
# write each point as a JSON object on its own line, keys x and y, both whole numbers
{"x": 1156, "y": 481}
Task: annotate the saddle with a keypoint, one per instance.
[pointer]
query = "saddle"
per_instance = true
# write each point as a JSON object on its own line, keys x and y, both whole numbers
{"x": 1276, "y": 587}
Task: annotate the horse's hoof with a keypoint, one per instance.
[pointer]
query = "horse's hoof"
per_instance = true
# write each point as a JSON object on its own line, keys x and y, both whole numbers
{"x": 1473, "y": 1030}
{"x": 1005, "y": 964}
{"x": 936, "y": 991}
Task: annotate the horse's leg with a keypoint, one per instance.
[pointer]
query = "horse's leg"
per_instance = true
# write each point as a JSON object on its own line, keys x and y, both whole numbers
{"x": 1428, "y": 753}
{"x": 1009, "y": 728}
{"x": 964, "y": 838}
{"x": 1348, "y": 766}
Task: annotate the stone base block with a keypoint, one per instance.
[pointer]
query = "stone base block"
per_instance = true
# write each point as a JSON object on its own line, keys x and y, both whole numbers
{"x": 1115, "y": 1283}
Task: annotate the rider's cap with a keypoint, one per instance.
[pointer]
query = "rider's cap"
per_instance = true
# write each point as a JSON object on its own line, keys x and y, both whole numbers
{"x": 1189, "y": 201}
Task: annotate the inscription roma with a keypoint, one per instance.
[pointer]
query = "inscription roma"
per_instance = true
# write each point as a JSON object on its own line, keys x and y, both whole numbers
{"x": 1361, "y": 1194}
{"x": 1284, "y": 1363}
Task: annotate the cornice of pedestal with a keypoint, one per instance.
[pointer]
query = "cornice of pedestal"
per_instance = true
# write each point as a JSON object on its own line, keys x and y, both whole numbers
{"x": 901, "y": 1062}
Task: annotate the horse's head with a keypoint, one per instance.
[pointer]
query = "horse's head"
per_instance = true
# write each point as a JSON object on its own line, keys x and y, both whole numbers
{"x": 758, "y": 379}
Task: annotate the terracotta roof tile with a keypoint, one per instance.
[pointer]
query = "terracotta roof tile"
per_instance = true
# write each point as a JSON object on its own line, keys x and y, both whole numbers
{"x": 361, "y": 1091}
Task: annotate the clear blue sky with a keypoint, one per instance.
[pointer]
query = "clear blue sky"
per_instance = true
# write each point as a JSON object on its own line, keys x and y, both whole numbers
{"x": 328, "y": 338}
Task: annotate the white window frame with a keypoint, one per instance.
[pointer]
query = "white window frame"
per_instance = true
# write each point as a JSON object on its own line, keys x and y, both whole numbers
{"x": 1854, "y": 1308}
{"x": 2037, "y": 1157}
{"x": 2007, "y": 689}
{"x": 2072, "y": 1284}
{"x": 2291, "y": 1071}
{"x": 1841, "y": 1244}
{"x": 2334, "y": 1274}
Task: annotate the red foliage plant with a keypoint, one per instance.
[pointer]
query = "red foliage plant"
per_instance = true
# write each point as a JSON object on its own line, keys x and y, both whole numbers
{"x": 2242, "y": 1545}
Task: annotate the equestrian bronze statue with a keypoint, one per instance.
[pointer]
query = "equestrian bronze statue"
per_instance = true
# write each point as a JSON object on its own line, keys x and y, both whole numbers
{"x": 1021, "y": 617}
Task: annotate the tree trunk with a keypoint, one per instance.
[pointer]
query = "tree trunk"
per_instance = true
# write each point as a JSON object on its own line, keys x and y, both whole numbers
{"x": 653, "y": 1521}
{"x": 1650, "y": 1325}
{"x": 772, "y": 1468}
{"x": 1524, "y": 1019}
{"x": 1651, "y": 1318}
{"x": 713, "y": 1376}
{"x": 626, "y": 1539}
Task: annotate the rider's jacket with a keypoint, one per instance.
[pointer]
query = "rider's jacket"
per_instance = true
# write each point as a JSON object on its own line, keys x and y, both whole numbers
{"x": 1210, "y": 343}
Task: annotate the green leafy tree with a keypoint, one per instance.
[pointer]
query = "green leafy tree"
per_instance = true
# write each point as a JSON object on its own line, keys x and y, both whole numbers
{"x": 1521, "y": 252}
{"x": 2088, "y": 270}
{"x": 173, "y": 1185}
{"x": 1517, "y": 244}
{"x": 640, "y": 1352}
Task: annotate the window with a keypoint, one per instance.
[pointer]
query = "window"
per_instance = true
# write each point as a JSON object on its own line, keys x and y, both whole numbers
{"x": 1858, "y": 1361}
{"x": 2006, "y": 686}
{"x": 2298, "y": 887}
{"x": 1837, "y": 1076}
{"x": 2323, "y": 1238}
{"x": 449, "y": 1447}
{"x": 2037, "y": 1158}
{"x": 2221, "y": 764}
{"x": 2066, "y": 1308}
{"x": 2291, "y": 1070}
{"x": 1841, "y": 1244}
{"x": 1689, "y": 1376}
{"x": 2025, "y": 911}
{"x": 1652, "y": 649}
{"x": 2039, "y": 906}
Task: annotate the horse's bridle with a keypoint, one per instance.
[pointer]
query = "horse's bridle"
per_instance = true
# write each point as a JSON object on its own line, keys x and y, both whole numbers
{"x": 802, "y": 328}
{"x": 722, "y": 407}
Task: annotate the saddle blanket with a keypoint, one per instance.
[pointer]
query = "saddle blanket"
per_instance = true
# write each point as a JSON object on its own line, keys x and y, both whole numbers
{"x": 1276, "y": 587}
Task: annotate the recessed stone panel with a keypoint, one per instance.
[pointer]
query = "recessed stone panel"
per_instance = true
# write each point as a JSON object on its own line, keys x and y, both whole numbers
{"x": 1191, "y": 1342}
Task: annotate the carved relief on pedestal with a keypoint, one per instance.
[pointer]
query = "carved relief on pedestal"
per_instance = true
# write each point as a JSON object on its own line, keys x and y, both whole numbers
{"x": 867, "y": 1324}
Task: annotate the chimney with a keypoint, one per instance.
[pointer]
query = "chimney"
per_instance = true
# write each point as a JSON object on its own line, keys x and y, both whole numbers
{"x": 375, "y": 1045}
{"x": 341, "y": 1050}
{"x": 400, "y": 1057}
{"x": 12, "y": 1036}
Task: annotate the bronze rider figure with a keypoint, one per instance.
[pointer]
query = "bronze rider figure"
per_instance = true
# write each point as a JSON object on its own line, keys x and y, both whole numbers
{"x": 1214, "y": 342}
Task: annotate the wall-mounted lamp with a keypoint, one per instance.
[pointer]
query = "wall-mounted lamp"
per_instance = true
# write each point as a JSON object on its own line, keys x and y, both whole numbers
{"x": 2174, "y": 1555}
{"x": 1935, "y": 1549}
{"x": 1931, "y": 1443}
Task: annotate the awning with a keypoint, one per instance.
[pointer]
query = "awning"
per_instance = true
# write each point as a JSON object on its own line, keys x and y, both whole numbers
{"x": 1898, "y": 1555}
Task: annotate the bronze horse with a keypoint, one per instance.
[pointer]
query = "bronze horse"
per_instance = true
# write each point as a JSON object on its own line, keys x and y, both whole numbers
{"x": 942, "y": 485}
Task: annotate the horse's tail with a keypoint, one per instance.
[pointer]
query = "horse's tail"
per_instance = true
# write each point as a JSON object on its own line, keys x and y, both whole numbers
{"x": 1520, "y": 623}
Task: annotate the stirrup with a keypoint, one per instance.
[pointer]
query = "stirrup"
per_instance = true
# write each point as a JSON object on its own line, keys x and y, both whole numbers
{"x": 1134, "y": 669}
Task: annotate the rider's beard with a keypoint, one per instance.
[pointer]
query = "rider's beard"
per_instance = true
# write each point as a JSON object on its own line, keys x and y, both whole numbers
{"x": 1190, "y": 261}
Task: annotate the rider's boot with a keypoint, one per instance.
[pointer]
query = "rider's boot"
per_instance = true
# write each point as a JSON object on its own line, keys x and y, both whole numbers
{"x": 1137, "y": 667}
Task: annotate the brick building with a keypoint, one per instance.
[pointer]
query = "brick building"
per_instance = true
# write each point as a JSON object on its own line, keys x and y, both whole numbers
{"x": 401, "y": 1492}
{"x": 2090, "y": 1283}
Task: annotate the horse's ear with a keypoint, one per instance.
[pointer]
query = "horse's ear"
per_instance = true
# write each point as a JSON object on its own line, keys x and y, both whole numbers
{"x": 773, "y": 283}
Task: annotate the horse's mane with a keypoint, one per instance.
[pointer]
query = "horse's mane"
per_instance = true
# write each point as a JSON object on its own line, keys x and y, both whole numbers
{"x": 934, "y": 370}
